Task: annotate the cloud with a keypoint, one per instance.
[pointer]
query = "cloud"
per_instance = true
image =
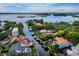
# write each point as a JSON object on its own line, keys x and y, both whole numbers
{"x": 39, "y": 7}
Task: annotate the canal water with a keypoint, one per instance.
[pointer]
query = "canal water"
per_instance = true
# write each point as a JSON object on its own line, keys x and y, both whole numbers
{"x": 13, "y": 17}
{"x": 38, "y": 47}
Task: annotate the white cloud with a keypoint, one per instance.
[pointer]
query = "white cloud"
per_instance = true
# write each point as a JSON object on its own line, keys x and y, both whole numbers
{"x": 38, "y": 7}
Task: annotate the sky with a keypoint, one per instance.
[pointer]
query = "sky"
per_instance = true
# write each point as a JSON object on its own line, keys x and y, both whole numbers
{"x": 39, "y": 7}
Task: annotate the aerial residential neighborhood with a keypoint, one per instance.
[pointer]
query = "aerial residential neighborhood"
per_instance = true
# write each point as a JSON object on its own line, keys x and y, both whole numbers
{"x": 56, "y": 41}
{"x": 15, "y": 43}
{"x": 34, "y": 30}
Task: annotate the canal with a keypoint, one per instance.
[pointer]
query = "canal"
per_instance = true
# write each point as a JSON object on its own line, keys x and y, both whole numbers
{"x": 38, "y": 47}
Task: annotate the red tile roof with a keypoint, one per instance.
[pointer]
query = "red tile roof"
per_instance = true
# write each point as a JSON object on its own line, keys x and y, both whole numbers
{"x": 61, "y": 40}
{"x": 20, "y": 39}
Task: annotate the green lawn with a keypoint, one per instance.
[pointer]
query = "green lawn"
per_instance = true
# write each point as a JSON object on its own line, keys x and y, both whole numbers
{"x": 34, "y": 51}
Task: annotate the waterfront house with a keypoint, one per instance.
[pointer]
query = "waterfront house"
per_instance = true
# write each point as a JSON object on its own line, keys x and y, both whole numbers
{"x": 6, "y": 41}
{"x": 38, "y": 24}
{"x": 22, "y": 40}
{"x": 38, "y": 21}
{"x": 14, "y": 39}
{"x": 15, "y": 31}
{"x": 20, "y": 50}
{"x": 74, "y": 51}
{"x": 63, "y": 43}
{"x": 45, "y": 32}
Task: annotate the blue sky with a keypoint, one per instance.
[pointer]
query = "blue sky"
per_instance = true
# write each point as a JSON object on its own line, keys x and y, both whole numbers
{"x": 39, "y": 7}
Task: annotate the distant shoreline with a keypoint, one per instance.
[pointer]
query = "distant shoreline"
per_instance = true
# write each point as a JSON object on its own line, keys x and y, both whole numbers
{"x": 48, "y": 13}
